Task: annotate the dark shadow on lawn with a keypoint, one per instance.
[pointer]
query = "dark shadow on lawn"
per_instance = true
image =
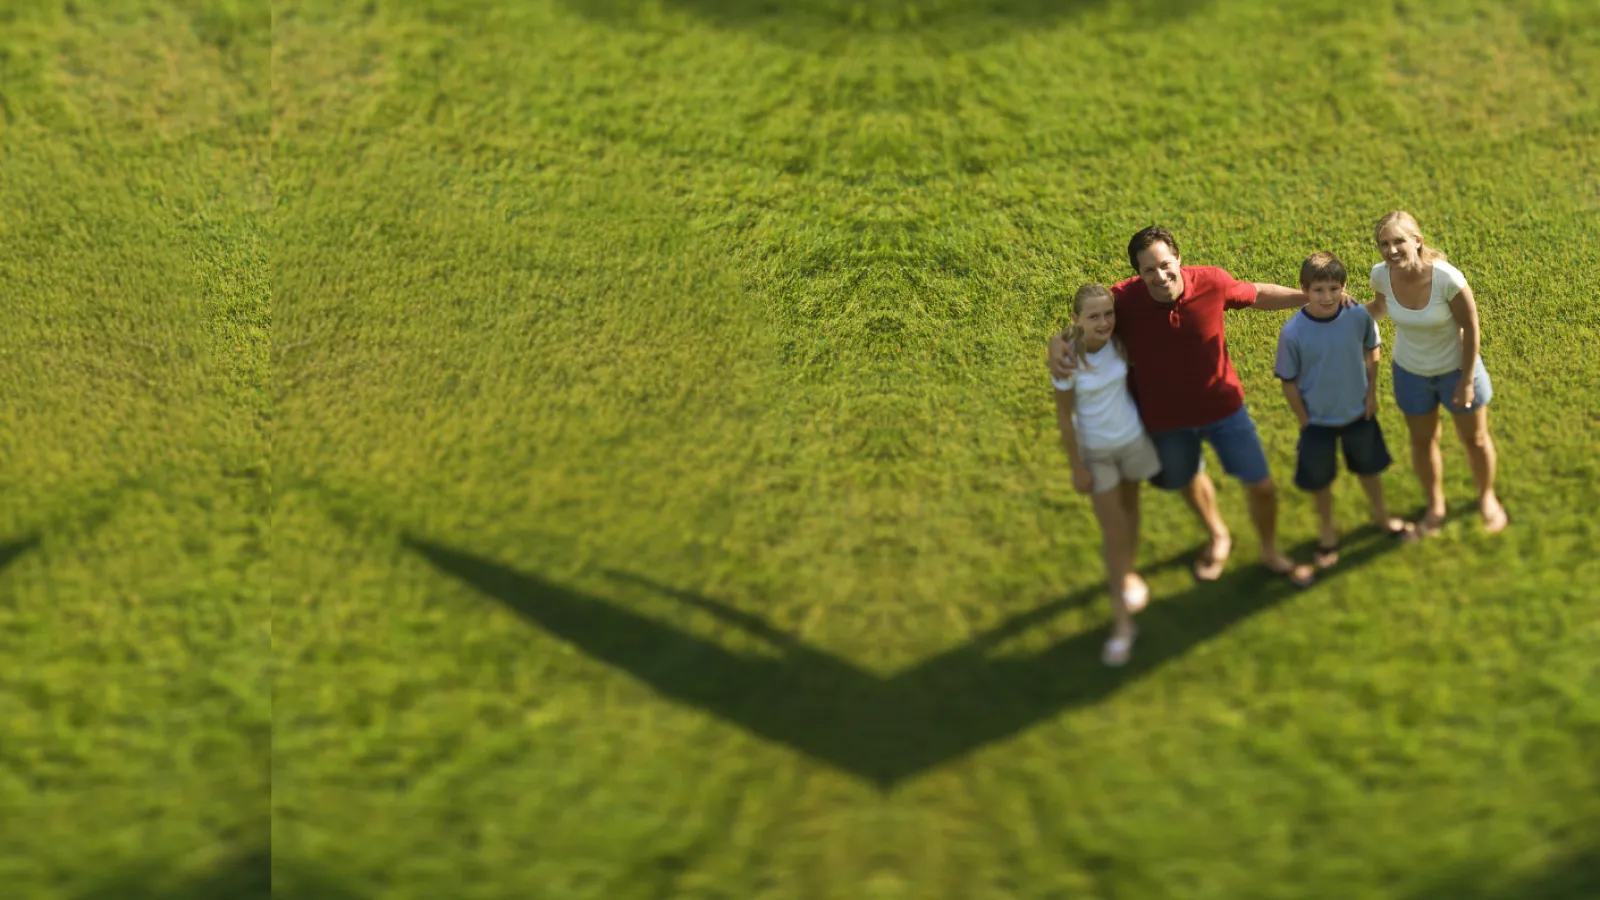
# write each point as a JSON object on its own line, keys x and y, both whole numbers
{"x": 1573, "y": 877}
{"x": 91, "y": 513}
{"x": 245, "y": 877}
{"x": 885, "y": 730}
{"x": 248, "y": 876}
{"x": 10, "y": 550}
{"x": 814, "y": 24}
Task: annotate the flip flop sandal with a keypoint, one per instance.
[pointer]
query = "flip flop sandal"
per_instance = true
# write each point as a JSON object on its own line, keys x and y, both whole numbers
{"x": 1406, "y": 533}
{"x": 1428, "y": 528}
{"x": 1118, "y": 649}
{"x": 1206, "y": 560}
{"x": 1288, "y": 573}
{"x": 1327, "y": 555}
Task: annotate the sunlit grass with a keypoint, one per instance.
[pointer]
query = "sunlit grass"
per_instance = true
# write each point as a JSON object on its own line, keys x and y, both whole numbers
{"x": 666, "y": 500}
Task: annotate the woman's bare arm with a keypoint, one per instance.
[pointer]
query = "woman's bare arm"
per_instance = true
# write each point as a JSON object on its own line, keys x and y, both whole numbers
{"x": 1378, "y": 309}
{"x": 1465, "y": 310}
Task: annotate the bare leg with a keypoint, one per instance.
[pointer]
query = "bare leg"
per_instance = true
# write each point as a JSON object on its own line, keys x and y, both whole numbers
{"x": 1201, "y": 495}
{"x": 1128, "y": 496}
{"x": 1429, "y": 466}
{"x": 1327, "y": 531}
{"x": 1473, "y": 430}
{"x": 1118, "y": 557}
{"x": 1373, "y": 486}
{"x": 1263, "y": 499}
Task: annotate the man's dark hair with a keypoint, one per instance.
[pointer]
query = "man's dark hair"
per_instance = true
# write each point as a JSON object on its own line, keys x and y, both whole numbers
{"x": 1321, "y": 266}
{"x": 1155, "y": 234}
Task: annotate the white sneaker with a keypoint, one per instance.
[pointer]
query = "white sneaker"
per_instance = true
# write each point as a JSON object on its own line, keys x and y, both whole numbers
{"x": 1118, "y": 649}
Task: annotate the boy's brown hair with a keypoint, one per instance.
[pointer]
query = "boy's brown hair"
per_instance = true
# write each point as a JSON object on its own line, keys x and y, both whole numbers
{"x": 1322, "y": 266}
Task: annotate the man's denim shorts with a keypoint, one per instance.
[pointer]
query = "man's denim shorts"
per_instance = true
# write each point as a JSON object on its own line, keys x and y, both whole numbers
{"x": 1234, "y": 438}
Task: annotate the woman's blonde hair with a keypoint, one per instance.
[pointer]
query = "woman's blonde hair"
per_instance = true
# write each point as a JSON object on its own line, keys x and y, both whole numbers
{"x": 1075, "y": 331}
{"x": 1408, "y": 225}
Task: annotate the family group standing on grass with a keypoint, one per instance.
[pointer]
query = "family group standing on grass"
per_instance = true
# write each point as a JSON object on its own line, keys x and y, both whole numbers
{"x": 1143, "y": 377}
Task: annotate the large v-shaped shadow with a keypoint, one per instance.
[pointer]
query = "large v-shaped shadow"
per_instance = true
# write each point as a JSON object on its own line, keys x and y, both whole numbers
{"x": 885, "y": 730}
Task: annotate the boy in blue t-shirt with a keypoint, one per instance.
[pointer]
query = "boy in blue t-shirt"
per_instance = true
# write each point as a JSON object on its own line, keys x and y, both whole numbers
{"x": 1328, "y": 362}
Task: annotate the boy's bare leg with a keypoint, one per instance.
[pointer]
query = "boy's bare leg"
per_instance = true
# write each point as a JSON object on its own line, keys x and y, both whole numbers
{"x": 1373, "y": 486}
{"x": 1201, "y": 495}
{"x": 1327, "y": 531}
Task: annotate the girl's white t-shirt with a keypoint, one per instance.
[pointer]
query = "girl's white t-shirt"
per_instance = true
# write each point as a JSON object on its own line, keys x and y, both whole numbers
{"x": 1427, "y": 341}
{"x": 1104, "y": 414}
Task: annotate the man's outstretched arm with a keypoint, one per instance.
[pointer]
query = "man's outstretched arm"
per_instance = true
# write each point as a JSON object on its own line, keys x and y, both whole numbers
{"x": 1062, "y": 361}
{"x": 1273, "y": 297}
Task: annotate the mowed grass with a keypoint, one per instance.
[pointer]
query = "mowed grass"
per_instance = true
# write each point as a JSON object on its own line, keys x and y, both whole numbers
{"x": 135, "y": 709}
{"x": 665, "y": 495}
{"x": 667, "y": 498}
{"x": 668, "y": 503}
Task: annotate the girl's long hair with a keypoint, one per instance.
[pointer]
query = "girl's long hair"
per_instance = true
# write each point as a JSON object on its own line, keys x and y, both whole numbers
{"x": 1075, "y": 331}
{"x": 1408, "y": 224}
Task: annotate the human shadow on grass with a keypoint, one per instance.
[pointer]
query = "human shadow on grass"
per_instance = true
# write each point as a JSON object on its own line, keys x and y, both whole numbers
{"x": 813, "y": 24}
{"x": 884, "y": 730}
{"x": 15, "y": 547}
{"x": 244, "y": 877}
{"x": 91, "y": 513}
{"x": 1575, "y": 876}
{"x": 248, "y": 876}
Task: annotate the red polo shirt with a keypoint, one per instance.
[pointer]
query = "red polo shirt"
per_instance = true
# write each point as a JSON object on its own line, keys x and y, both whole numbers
{"x": 1181, "y": 374}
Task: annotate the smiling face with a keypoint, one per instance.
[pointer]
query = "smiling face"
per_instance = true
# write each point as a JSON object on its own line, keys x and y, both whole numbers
{"x": 1399, "y": 245}
{"x": 1161, "y": 271}
{"x": 1097, "y": 318}
{"x": 1325, "y": 296}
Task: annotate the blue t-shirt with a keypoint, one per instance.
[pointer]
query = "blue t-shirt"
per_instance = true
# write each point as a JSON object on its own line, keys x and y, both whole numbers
{"x": 1327, "y": 360}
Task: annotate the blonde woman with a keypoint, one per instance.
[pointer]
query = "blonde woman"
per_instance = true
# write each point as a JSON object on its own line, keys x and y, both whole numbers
{"x": 1436, "y": 362}
{"x": 1110, "y": 452}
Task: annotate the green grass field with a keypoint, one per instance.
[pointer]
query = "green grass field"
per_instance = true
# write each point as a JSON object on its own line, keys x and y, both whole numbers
{"x": 135, "y": 613}
{"x": 660, "y": 469}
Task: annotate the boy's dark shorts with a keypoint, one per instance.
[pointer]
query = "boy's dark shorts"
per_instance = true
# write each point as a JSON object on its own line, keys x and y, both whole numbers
{"x": 1365, "y": 452}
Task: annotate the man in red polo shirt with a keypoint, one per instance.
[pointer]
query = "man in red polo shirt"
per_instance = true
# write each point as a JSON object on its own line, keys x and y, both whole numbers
{"x": 1170, "y": 319}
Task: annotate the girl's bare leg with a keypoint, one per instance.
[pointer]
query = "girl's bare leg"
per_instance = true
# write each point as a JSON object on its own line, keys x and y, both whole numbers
{"x": 1117, "y": 551}
{"x": 1128, "y": 496}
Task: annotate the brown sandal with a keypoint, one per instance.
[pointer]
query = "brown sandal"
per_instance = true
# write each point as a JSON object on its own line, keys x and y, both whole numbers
{"x": 1327, "y": 555}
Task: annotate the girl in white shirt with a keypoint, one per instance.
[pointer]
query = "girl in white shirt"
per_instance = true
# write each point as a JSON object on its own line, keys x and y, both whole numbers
{"x": 1110, "y": 452}
{"x": 1436, "y": 341}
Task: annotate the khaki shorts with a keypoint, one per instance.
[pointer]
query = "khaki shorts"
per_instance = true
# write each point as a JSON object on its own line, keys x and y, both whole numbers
{"x": 1134, "y": 461}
